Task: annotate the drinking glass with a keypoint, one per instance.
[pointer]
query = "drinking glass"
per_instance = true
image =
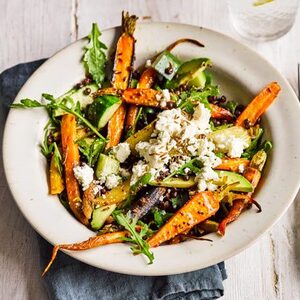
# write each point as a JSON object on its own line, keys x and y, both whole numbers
{"x": 262, "y": 20}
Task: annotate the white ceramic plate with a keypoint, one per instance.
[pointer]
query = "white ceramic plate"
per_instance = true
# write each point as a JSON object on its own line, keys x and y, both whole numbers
{"x": 240, "y": 71}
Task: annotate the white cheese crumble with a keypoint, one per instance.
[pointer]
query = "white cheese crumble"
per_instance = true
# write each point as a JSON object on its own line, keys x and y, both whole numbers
{"x": 178, "y": 137}
{"x": 112, "y": 181}
{"x": 121, "y": 152}
{"x": 231, "y": 145}
{"x": 241, "y": 168}
{"x": 84, "y": 174}
{"x": 148, "y": 63}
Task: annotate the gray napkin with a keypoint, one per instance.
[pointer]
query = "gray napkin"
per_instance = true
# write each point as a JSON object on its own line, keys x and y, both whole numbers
{"x": 71, "y": 279}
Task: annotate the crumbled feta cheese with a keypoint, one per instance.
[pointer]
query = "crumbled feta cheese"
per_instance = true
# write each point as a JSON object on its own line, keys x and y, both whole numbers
{"x": 241, "y": 168}
{"x": 206, "y": 174}
{"x": 178, "y": 137}
{"x": 124, "y": 173}
{"x": 148, "y": 63}
{"x": 84, "y": 174}
{"x": 166, "y": 94}
{"x": 121, "y": 152}
{"x": 231, "y": 145}
{"x": 112, "y": 181}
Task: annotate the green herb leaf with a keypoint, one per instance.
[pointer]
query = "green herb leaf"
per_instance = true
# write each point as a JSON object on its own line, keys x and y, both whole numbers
{"x": 91, "y": 148}
{"x": 266, "y": 146}
{"x": 254, "y": 146}
{"x": 193, "y": 165}
{"x": 57, "y": 158}
{"x": 94, "y": 57}
{"x": 141, "y": 246}
{"x": 27, "y": 103}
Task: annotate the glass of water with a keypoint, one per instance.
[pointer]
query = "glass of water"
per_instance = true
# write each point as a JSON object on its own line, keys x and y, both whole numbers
{"x": 262, "y": 20}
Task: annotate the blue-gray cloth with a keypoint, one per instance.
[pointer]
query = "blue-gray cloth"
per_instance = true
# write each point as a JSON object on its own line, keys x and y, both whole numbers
{"x": 71, "y": 279}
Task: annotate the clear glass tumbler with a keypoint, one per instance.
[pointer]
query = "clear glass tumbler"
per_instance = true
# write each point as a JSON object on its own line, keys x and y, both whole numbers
{"x": 262, "y": 20}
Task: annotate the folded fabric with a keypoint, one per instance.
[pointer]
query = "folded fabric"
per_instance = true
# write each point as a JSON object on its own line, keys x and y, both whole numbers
{"x": 71, "y": 279}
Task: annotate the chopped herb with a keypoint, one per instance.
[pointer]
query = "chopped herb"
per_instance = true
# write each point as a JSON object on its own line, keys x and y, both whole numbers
{"x": 136, "y": 238}
{"x": 27, "y": 103}
{"x": 254, "y": 146}
{"x": 144, "y": 180}
{"x": 266, "y": 146}
{"x": 94, "y": 57}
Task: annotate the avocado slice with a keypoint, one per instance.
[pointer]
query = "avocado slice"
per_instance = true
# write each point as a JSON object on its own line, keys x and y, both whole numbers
{"x": 100, "y": 215}
{"x": 192, "y": 72}
{"x": 228, "y": 177}
{"x": 106, "y": 165}
{"x": 73, "y": 96}
{"x": 102, "y": 109}
{"x": 174, "y": 182}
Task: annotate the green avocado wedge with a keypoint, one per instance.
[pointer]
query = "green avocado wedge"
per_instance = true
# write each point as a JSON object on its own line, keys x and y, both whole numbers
{"x": 227, "y": 177}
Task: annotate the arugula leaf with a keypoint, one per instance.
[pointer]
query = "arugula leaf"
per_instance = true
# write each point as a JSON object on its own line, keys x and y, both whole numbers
{"x": 193, "y": 165}
{"x": 141, "y": 246}
{"x": 254, "y": 146}
{"x": 188, "y": 99}
{"x": 25, "y": 103}
{"x": 91, "y": 148}
{"x": 94, "y": 58}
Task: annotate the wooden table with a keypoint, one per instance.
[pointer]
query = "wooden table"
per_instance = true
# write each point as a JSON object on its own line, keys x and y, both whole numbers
{"x": 33, "y": 29}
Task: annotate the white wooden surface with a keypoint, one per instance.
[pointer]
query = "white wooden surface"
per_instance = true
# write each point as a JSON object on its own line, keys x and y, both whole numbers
{"x": 32, "y": 29}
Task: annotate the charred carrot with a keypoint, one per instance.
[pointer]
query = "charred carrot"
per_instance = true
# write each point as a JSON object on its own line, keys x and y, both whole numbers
{"x": 233, "y": 164}
{"x": 88, "y": 200}
{"x": 218, "y": 112}
{"x": 199, "y": 208}
{"x": 258, "y": 105}
{"x": 146, "y": 81}
{"x": 55, "y": 179}
{"x": 71, "y": 159}
{"x": 122, "y": 72}
{"x": 93, "y": 242}
{"x": 115, "y": 126}
{"x": 242, "y": 201}
{"x": 107, "y": 91}
{"x": 147, "y": 97}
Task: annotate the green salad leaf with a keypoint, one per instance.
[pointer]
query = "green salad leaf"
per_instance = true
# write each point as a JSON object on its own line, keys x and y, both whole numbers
{"x": 91, "y": 148}
{"x": 52, "y": 105}
{"x": 94, "y": 58}
{"x": 136, "y": 238}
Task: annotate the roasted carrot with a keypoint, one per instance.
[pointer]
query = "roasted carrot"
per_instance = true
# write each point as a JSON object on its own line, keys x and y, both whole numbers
{"x": 88, "y": 200}
{"x": 258, "y": 105}
{"x": 147, "y": 97}
{"x": 218, "y": 112}
{"x": 121, "y": 76}
{"x": 233, "y": 164}
{"x": 55, "y": 179}
{"x": 107, "y": 91}
{"x": 115, "y": 126}
{"x": 93, "y": 242}
{"x": 242, "y": 201}
{"x": 199, "y": 208}
{"x": 71, "y": 159}
{"x": 146, "y": 81}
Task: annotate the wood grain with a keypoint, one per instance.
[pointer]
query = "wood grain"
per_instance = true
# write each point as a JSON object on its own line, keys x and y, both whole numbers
{"x": 32, "y": 29}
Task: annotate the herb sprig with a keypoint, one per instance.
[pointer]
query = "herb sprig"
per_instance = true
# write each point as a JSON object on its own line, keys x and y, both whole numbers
{"x": 136, "y": 238}
{"x": 53, "y": 105}
{"x": 94, "y": 58}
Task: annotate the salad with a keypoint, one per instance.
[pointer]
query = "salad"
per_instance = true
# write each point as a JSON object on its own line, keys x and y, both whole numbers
{"x": 153, "y": 154}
